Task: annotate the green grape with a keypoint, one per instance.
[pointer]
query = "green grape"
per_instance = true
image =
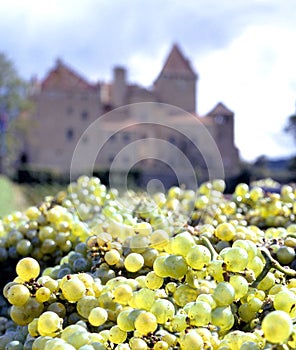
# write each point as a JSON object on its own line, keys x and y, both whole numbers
{"x": 198, "y": 257}
{"x": 277, "y": 326}
{"x": 207, "y": 298}
{"x": 216, "y": 270}
{"x": 79, "y": 339}
{"x": 49, "y": 283}
{"x": 144, "y": 298}
{"x": 181, "y": 243}
{"x": 199, "y": 313}
{"x": 97, "y": 316}
{"x": 240, "y": 285}
{"x": 223, "y": 318}
{"x": 117, "y": 335}
{"x": 49, "y": 323}
{"x": 225, "y": 231}
{"x": 184, "y": 295}
{"x": 136, "y": 343}
{"x": 159, "y": 266}
{"x": 24, "y": 247}
{"x": 191, "y": 340}
{"x": 236, "y": 259}
{"x": 73, "y": 288}
{"x": 138, "y": 244}
{"x": 143, "y": 228}
{"x": 149, "y": 255}
{"x": 69, "y": 330}
{"x": 285, "y": 301}
{"x": 43, "y": 294}
{"x": 146, "y": 323}
{"x": 267, "y": 282}
{"x": 112, "y": 257}
{"x": 178, "y": 323}
{"x": 27, "y": 269}
{"x": 85, "y": 305}
{"x": 248, "y": 246}
{"x": 161, "y": 345}
{"x": 159, "y": 239}
{"x": 163, "y": 310}
{"x": 224, "y": 294}
{"x": 58, "y": 308}
{"x": 245, "y": 312}
{"x": 125, "y": 321}
{"x": 285, "y": 255}
{"x": 123, "y": 293}
{"x": 176, "y": 266}
{"x": 18, "y": 294}
{"x": 256, "y": 265}
{"x": 40, "y": 342}
{"x": 23, "y": 315}
{"x": 133, "y": 262}
{"x": 153, "y": 281}
{"x": 33, "y": 328}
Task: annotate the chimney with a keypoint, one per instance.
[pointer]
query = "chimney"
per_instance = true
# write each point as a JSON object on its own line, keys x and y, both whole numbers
{"x": 119, "y": 90}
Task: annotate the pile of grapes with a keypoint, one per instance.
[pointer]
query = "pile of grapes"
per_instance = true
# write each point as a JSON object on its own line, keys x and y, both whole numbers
{"x": 91, "y": 269}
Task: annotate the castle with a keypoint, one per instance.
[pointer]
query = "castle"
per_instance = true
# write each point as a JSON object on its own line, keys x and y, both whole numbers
{"x": 70, "y": 112}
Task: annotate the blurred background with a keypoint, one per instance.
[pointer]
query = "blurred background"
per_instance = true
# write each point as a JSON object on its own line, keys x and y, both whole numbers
{"x": 64, "y": 64}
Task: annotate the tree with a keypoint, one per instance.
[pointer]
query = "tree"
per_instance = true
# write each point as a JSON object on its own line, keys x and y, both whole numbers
{"x": 290, "y": 127}
{"x": 13, "y": 103}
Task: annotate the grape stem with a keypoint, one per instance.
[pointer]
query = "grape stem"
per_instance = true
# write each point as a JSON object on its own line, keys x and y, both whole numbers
{"x": 209, "y": 245}
{"x": 271, "y": 263}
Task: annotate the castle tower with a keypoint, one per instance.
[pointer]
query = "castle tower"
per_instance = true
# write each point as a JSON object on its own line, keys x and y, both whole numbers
{"x": 176, "y": 83}
{"x": 119, "y": 87}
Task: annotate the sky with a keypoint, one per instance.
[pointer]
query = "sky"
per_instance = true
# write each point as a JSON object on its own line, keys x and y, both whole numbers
{"x": 243, "y": 51}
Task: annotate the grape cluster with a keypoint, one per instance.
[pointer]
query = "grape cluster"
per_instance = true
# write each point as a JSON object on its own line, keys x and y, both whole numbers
{"x": 95, "y": 269}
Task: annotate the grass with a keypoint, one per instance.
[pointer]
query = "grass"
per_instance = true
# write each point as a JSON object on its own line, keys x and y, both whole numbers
{"x": 18, "y": 197}
{"x": 8, "y": 194}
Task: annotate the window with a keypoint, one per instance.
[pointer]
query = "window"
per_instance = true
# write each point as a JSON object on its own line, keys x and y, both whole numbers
{"x": 220, "y": 119}
{"x": 84, "y": 115}
{"x": 70, "y": 134}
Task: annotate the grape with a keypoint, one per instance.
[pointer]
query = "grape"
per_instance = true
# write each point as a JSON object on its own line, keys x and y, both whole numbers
{"x": 43, "y": 294}
{"x": 240, "y": 285}
{"x": 27, "y": 269}
{"x": 236, "y": 259}
{"x": 73, "y": 288}
{"x": 85, "y": 305}
{"x": 224, "y": 294}
{"x": 69, "y": 330}
{"x": 176, "y": 266}
{"x": 97, "y": 316}
{"x": 191, "y": 340}
{"x": 49, "y": 323}
{"x": 18, "y": 294}
{"x": 199, "y": 313}
{"x": 198, "y": 257}
{"x": 146, "y": 323}
{"x": 153, "y": 281}
{"x": 223, "y": 318}
{"x": 159, "y": 239}
{"x": 286, "y": 301}
{"x": 277, "y": 326}
{"x": 78, "y": 339}
{"x": 137, "y": 344}
{"x": 181, "y": 243}
{"x": 117, "y": 335}
{"x": 163, "y": 309}
{"x": 225, "y": 231}
{"x": 112, "y": 257}
{"x": 134, "y": 262}
{"x": 123, "y": 293}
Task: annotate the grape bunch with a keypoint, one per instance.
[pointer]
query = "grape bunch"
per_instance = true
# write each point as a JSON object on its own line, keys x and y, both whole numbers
{"x": 92, "y": 268}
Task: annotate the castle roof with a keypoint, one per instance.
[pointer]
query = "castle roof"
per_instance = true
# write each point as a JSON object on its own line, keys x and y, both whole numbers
{"x": 220, "y": 109}
{"x": 62, "y": 77}
{"x": 177, "y": 63}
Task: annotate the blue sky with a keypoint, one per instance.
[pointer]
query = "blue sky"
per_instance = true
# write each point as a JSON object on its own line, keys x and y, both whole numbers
{"x": 243, "y": 50}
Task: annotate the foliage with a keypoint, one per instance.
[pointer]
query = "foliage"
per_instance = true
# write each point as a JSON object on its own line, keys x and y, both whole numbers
{"x": 14, "y": 107}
